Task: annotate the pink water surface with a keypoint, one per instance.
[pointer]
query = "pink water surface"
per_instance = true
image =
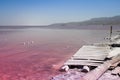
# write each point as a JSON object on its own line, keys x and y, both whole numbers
{"x": 38, "y": 54}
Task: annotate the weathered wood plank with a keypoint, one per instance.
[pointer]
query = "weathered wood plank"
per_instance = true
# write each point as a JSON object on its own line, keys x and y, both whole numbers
{"x": 90, "y": 58}
{"x": 94, "y": 54}
{"x": 92, "y": 50}
{"x": 100, "y": 69}
{"x": 89, "y": 61}
{"x": 85, "y": 55}
{"x": 83, "y": 63}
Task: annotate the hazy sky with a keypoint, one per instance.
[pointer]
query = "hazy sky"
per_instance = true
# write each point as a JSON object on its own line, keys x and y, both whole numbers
{"x": 44, "y": 12}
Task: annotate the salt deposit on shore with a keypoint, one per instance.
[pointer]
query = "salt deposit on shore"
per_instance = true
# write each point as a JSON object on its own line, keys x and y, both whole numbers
{"x": 76, "y": 74}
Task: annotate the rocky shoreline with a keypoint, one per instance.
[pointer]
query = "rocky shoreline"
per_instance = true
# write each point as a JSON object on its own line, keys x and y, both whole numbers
{"x": 76, "y": 74}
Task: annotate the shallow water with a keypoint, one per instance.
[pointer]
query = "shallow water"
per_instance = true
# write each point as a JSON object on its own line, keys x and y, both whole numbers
{"x": 37, "y": 54}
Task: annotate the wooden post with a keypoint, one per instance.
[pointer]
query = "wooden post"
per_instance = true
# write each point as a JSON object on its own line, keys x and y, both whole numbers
{"x": 96, "y": 73}
{"x": 110, "y": 32}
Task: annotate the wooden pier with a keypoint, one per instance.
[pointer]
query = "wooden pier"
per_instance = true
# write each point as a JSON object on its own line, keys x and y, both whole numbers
{"x": 89, "y": 55}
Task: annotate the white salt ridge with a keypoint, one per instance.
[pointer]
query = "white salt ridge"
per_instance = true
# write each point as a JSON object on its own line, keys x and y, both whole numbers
{"x": 114, "y": 52}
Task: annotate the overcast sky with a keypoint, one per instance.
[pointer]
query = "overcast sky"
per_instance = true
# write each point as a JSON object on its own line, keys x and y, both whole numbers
{"x": 44, "y": 12}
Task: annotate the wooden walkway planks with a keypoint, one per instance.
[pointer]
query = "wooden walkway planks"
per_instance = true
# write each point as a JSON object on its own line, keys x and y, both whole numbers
{"x": 75, "y": 63}
{"x": 89, "y": 55}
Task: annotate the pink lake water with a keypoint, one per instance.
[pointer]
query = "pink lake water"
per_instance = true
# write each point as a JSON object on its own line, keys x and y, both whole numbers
{"x": 37, "y": 54}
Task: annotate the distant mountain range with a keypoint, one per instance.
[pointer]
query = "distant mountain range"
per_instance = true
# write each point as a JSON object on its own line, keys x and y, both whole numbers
{"x": 94, "y": 23}
{"x": 97, "y": 23}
